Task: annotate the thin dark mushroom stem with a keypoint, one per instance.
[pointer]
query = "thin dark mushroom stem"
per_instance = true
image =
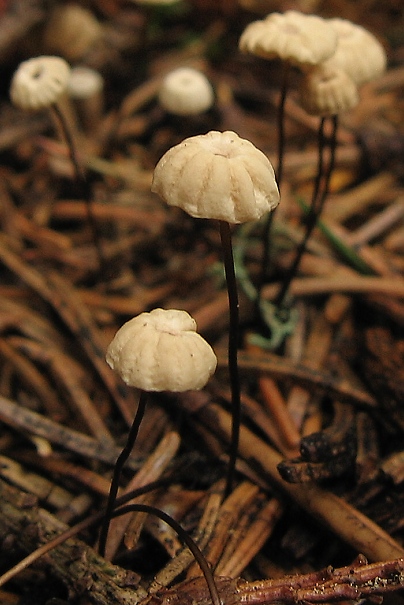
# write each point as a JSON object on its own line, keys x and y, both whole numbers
{"x": 81, "y": 180}
{"x": 184, "y": 536}
{"x": 318, "y": 199}
{"x": 122, "y": 458}
{"x": 228, "y": 259}
{"x": 280, "y": 120}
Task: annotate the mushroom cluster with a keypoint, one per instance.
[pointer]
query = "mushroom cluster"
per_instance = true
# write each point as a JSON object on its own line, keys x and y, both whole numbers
{"x": 335, "y": 55}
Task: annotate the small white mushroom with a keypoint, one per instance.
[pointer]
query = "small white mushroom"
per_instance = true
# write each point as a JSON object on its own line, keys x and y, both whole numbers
{"x": 85, "y": 88}
{"x": 358, "y": 52}
{"x": 186, "y": 91}
{"x": 328, "y": 91}
{"x": 39, "y": 82}
{"x": 217, "y": 175}
{"x": 161, "y": 351}
{"x": 299, "y": 39}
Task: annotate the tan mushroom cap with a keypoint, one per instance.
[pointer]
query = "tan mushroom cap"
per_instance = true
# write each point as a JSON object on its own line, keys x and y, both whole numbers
{"x": 217, "y": 175}
{"x": 186, "y": 91}
{"x": 358, "y": 52}
{"x": 71, "y": 31}
{"x": 161, "y": 351}
{"x": 39, "y": 82}
{"x": 328, "y": 91}
{"x": 302, "y": 40}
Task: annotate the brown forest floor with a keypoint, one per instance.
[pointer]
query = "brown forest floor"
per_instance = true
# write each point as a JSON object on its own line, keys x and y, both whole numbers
{"x": 64, "y": 415}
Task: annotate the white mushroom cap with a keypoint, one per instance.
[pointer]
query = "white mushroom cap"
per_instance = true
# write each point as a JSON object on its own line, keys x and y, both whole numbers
{"x": 39, "y": 82}
{"x": 328, "y": 91}
{"x": 84, "y": 82}
{"x": 358, "y": 52}
{"x": 161, "y": 351}
{"x": 186, "y": 91}
{"x": 302, "y": 40}
{"x": 217, "y": 175}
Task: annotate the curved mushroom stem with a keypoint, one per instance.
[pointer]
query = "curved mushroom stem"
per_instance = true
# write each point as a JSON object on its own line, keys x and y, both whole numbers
{"x": 227, "y": 248}
{"x": 280, "y": 120}
{"x": 119, "y": 464}
{"x": 81, "y": 180}
{"x": 184, "y": 536}
{"x": 317, "y": 201}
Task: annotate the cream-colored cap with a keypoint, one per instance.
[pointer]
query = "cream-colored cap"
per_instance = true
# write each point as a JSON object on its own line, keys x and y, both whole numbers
{"x": 84, "y": 82}
{"x": 217, "y": 175}
{"x": 302, "y": 40}
{"x": 161, "y": 351}
{"x": 358, "y": 52}
{"x": 39, "y": 82}
{"x": 186, "y": 91}
{"x": 328, "y": 91}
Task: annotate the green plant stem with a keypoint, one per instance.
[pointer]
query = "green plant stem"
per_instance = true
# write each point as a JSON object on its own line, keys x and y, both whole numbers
{"x": 184, "y": 536}
{"x": 318, "y": 199}
{"x": 122, "y": 458}
{"x": 81, "y": 180}
{"x": 227, "y": 248}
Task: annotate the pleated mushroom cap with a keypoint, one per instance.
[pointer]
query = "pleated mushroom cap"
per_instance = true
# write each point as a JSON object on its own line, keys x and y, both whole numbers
{"x": 300, "y": 39}
{"x": 161, "y": 351}
{"x": 217, "y": 175}
{"x": 328, "y": 91}
{"x": 358, "y": 52}
{"x": 39, "y": 82}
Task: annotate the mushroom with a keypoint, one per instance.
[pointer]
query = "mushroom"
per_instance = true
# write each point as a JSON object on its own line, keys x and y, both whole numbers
{"x": 217, "y": 175}
{"x": 72, "y": 31}
{"x": 298, "y": 40}
{"x": 39, "y": 83}
{"x": 85, "y": 87}
{"x": 155, "y": 351}
{"x": 185, "y": 92}
{"x": 327, "y": 90}
{"x": 220, "y": 176}
{"x": 161, "y": 351}
{"x": 358, "y": 52}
